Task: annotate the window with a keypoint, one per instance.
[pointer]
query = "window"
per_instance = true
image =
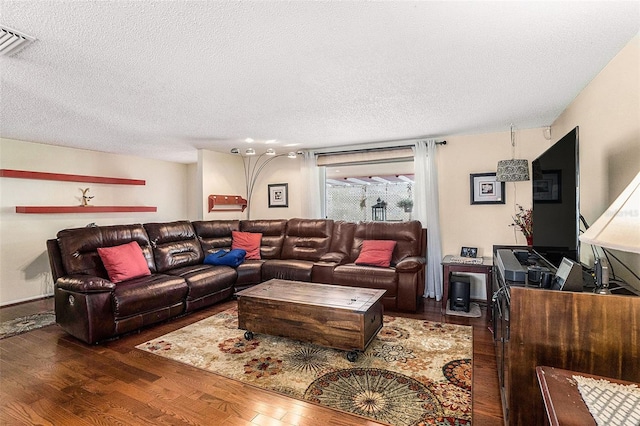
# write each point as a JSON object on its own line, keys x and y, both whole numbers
{"x": 365, "y": 192}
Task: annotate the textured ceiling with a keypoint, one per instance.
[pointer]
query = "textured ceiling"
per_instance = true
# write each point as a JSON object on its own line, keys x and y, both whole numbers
{"x": 161, "y": 79}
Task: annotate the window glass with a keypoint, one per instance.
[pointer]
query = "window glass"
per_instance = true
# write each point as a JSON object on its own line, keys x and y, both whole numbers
{"x": 381, "y": 192}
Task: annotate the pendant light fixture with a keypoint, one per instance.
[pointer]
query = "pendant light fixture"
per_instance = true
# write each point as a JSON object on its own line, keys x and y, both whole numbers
{"x": 514, "y": 170}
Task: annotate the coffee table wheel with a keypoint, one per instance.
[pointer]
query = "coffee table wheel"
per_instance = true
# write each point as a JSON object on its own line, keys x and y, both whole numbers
{"x": 248, "y": 335}
{"x": 352, "y": 356}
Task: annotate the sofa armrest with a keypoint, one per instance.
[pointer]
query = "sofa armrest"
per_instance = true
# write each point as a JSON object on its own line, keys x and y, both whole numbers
{"x": 81, "y": 283}
{"x": 55, "y": 259}
{"x": 334, "y": 257}
{"x": 411, "y": 264}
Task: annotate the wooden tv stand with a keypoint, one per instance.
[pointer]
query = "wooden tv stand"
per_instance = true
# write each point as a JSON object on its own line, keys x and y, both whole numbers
{"x": 584, "y": 332}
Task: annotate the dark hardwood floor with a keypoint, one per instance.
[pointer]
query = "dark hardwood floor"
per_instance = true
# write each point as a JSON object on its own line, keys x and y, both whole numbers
{"x": 49, "y": 378}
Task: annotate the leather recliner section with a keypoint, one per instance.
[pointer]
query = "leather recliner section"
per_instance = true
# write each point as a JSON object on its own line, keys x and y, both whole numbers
{"x": 92, "y": 308}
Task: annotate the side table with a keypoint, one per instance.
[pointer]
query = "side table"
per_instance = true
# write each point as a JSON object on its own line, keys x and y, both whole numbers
{"x": 449, "y": 267}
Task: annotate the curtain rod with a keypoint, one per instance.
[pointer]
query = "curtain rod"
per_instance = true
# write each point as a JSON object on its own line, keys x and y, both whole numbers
{"x": 370, "y": 147}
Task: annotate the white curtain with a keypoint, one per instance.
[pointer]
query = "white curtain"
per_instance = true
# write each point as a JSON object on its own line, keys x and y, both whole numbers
{"x": 426, "y": 210}
{"x": 313, "y": 182}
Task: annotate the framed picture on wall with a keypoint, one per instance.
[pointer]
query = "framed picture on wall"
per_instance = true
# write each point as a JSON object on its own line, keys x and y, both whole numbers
{"x": 279, "y": 195}
{"x": 485, "y": 189}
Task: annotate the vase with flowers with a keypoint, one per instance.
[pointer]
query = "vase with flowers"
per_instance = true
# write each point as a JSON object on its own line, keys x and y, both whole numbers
{"x": 523, "y": 221}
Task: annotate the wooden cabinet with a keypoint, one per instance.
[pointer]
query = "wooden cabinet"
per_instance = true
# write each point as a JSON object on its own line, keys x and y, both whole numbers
{"x": 584, "y": 332}
{"x": 500, "y": 326}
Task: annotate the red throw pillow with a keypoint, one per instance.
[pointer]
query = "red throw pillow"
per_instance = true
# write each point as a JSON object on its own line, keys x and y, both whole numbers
{"x": 124, "y": 262}
{"x": 376, "y": 253}
{"x": 247, "y": 241}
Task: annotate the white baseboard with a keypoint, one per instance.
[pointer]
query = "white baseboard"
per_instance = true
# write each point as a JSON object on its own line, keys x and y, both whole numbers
{"x": 28, "y": 299}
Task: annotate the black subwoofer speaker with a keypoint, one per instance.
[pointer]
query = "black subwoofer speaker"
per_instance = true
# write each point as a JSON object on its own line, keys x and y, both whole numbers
{"x": 459, "y": 293}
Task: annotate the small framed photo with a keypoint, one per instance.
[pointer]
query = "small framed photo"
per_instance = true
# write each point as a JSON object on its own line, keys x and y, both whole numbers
{"x": 469, "y": 252}
{"x": 485, "y": 189}
{"x": 279, "y": 195}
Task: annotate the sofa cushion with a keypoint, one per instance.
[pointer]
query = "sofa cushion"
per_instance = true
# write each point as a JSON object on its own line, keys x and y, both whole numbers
{"x": 407, "y": 235}
{"x": 247, "y": 241}
{"x": 272, "y": 235}
{"x": 205, "y": 279}
{"x": 287, "y": 269}
{"x": 78, "y": 247}
{"x": 175, "y": 244}
{"x": 307, "y": 239}
{"x": 215, "y": 234}
{"x": 124, "y": 262}
{"x": 249, "y": 273}
{"x": 146, "y": 294}
{"x": 342, "y": 240}
{"x": 367, "y": 276}
{"x": 376, "y": 253}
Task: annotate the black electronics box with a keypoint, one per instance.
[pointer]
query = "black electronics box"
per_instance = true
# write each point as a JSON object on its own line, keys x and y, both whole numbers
{"x": 459, "y": 293}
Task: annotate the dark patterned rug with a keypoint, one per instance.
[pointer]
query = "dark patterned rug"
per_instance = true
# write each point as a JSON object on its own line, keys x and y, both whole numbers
{"x": 414, "y": 372}
{"x": 23, "y": 324}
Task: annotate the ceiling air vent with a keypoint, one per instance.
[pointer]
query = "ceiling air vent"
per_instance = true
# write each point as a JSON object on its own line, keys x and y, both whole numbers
{"x": 12, "y": 41}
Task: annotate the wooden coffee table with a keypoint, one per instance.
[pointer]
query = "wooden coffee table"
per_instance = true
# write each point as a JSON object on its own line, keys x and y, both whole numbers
{"x": 346, "y": 318}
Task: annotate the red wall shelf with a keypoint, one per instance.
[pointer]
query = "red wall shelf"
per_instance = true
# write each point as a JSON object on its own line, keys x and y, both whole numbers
{"x": 84, "y": 209}
{"x": 220, "y": 203}
{"x": 23, "y": 174}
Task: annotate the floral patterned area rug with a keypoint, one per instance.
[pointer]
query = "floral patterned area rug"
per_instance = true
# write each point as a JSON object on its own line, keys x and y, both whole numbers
{"x": 414, "y": 372}
{"x": 27, "y": 323}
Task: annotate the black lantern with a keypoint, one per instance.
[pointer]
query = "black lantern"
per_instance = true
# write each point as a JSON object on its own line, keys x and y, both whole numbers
{"x": 379, "y": 210}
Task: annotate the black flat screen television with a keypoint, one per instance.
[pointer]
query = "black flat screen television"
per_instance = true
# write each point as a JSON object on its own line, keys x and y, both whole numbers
{"x": 556, "y": 201}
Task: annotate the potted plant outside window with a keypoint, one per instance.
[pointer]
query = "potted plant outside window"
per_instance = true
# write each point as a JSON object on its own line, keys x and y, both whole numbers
{"x": 406, "y": 204}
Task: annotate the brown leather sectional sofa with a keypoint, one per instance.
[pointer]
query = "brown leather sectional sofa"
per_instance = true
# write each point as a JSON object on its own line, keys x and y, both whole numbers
{"x": 92, "y": 308}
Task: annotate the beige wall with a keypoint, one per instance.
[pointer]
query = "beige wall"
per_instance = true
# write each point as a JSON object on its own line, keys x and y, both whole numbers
{"x": 219, "y": 174}
{"x": 223, "y": 174}
{"x": 482, "y": 225}
{"x": 24, "y": 266}
{"x": 281, "y": 170}
{"x": 608, "y": 114}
